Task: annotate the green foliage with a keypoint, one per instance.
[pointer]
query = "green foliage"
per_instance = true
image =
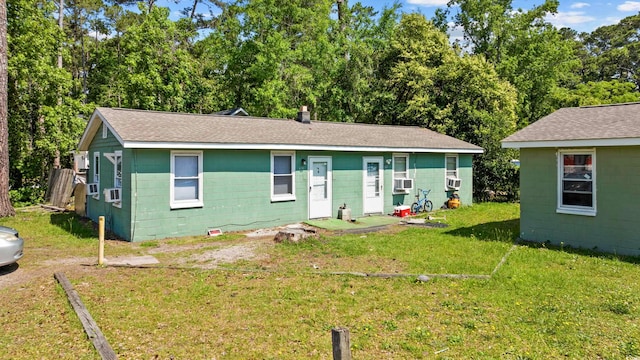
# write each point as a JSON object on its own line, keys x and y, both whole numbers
{"x": 342, "y": 59}
{"x": 597, "y": 93}
{"x": 426, "y": 83}
{"x": 43, "y": 117}
{"x": 613, "y": 52}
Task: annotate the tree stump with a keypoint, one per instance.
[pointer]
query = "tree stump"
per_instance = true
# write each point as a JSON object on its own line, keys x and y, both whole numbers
{"x": 294, "y": 236}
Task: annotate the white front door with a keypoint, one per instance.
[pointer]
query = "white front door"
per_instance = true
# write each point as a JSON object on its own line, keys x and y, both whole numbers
{"x": 372, "y": 185}
{"x": 320, "y": 204}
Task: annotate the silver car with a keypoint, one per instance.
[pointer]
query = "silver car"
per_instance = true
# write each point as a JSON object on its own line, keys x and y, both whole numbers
{"x": 11, "y": 245}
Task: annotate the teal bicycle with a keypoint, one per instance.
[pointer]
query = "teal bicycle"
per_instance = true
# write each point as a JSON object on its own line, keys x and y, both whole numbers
{"x": 423, "y": 204}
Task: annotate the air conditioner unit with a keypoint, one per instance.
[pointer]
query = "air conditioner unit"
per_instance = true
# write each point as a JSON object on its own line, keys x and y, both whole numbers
{"x": 453, "y": 183}
{"x": 403, "y": 184}
{"x": 112, "y": 195}
{"x": 92, "y": 189}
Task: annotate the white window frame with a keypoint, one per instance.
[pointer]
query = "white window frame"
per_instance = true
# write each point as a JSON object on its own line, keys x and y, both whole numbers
{"x": 96, "y": 173}
{"x": 117, "y": 180}
{"x": 576, "y": 209}
{"x": 284, "y": 197}
{"x": 394, "y": 156}
{"x": 104, "y": 131}
{"x": 192, "y": 203}
{"x": 457, "y": 171}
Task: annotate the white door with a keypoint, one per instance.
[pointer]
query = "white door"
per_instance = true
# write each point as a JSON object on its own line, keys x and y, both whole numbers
{"x": 320, "y": 204}
{"x": 372, "y": 185}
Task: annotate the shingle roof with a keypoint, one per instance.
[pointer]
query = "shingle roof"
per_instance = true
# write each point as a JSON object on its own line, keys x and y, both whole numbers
{"x": 151, "y": 129}
{"x": 605, "y": 125}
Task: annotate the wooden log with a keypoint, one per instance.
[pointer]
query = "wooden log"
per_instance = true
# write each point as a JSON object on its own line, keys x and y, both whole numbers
{"x": 341, "y": 346}
{"x": 90, "y": 327}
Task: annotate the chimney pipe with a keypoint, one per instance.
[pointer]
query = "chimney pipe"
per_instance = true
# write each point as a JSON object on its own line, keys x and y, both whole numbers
{"x": 304, "y": 116}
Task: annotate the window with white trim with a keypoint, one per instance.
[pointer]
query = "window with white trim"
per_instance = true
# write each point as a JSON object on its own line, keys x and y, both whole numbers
{"x": 283, "y": 176}
{"x": 96, "y": 172}
{"x": 186, "y": 179}
{"x": 104, "y": 131}
{"x": 577, "y": 182}
{"x": 400, "y": 172}
{"x": 117, "y": 169}
{"x": 451, "y": 168}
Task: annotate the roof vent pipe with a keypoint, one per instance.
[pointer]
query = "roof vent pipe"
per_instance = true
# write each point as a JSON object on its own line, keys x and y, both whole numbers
{"x": 304, "y": 116}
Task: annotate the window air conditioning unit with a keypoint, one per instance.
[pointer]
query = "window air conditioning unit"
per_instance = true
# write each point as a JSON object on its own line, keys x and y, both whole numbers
{"x": 92, "y": 189}
{"x": 453, "y": 183}
{"x": 403, "y": 184}
{"x": 112, "y": 195}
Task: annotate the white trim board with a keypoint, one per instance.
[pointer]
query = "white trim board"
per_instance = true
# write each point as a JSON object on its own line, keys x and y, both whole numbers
{"x": 290, "y": 147}
{"x": 571, "y": 143}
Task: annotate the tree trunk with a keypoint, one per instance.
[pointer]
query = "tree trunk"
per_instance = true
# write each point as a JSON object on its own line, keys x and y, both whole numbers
{"x": 6, "y": 209}
{"x": 56, "y": 158}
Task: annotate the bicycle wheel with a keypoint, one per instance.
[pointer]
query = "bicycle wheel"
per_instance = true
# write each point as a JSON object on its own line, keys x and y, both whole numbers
{"x": 428, "y": 206}
{"x": 415, "y": 208}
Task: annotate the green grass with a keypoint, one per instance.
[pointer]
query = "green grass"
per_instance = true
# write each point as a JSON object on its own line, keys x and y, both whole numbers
{"x": 543, "y": 303}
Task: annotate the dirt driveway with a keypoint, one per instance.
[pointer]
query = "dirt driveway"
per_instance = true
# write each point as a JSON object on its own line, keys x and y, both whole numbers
{"x": 206, "y": 256}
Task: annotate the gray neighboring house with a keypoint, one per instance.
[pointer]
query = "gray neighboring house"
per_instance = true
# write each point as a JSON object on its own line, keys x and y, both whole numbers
{"x": 578, "y": 173}
{"x": 155, "y": 175}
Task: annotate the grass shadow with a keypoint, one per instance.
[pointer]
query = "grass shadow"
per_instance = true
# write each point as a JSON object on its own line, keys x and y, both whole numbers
{"x": 501, "y": 231}
{"x": 579, "y": 251}
{"x": 74, "y": 224}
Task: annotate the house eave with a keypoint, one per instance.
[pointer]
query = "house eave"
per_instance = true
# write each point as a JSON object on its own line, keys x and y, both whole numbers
{"x": 571, "y": 143}
{"x": 290, "y": 147}
{"x": 92, "y": 128}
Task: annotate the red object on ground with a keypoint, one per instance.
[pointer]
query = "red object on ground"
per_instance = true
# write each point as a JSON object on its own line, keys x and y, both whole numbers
{"x": 402, "y": 211}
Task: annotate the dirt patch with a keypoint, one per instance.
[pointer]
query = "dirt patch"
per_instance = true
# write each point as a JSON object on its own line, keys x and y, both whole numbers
{"x": 212, "y": 258}
{"x": 208, "y": 256}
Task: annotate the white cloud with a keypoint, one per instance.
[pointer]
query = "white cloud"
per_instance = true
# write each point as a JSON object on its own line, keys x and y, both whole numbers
{"x": 455, "y": 32}
{"x": 428, "y": 2}
{"x": 568, "y": 18}
{"x": 93, "y": 34}
{"x": 629, "y": 6}
{"x": 579, "y": 5}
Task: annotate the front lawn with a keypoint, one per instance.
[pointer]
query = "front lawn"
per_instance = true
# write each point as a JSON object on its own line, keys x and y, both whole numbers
{"x": 541, "y": 303}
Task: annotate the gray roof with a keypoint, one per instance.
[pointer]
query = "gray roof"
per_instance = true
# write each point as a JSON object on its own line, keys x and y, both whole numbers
{"x": 152, "y": 129}
{"x": 604, "y": 125}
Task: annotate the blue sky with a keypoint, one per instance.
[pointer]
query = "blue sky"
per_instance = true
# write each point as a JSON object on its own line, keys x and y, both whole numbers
{"x": 580, "y": 15}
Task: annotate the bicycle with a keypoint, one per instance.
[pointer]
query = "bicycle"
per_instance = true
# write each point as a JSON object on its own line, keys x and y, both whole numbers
{"x": 423, "y": 204}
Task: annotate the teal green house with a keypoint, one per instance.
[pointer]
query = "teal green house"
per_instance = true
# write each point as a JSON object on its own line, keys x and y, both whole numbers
{"x": 155, "y": 175}
{"x": 578, "y": 168}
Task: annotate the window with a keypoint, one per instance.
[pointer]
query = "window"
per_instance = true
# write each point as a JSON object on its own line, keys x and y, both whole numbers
{"x": 96, "y": 172}
{"x": 401, "y": 181}
{"x": 576, "y": 182}
{"x": 451, "y": 168}
{"x": 104, "y": 131}
{"x": 400, "y": 166}
{"x": 186, "y": 179}
{"x": 117, "y": 169}
{"x": 282, "y": 176}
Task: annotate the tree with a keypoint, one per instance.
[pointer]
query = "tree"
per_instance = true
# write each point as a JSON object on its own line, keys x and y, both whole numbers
{"x": 426, "y": 83}
{"x": 148, "y": 67}
{"x": 5, "y": 203}
{"x": 359, "y": 42}
{"x": 614, "y": 51}
{"x": 43, "y": 120}
{"x": 282, "y": 56}
{"x": 525, "y": 49}
{"x": 597, "y": 93}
